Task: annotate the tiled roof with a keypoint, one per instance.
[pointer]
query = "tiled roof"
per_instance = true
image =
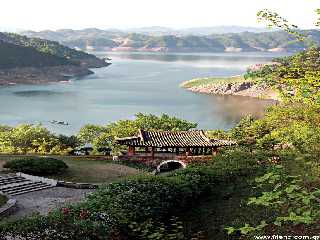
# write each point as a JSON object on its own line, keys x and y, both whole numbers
{"x": 195, "y": 138}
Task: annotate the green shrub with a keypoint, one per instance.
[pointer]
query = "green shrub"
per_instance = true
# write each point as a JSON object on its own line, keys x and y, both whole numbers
{"x": 37, "y": 165}
{"x": 293, "y": 201}
{"x": 3, "y": 200}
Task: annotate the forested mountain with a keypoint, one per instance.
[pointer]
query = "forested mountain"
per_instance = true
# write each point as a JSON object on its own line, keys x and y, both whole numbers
{"x": 33, "y": 60}
{"x": 50, "y": 49}
{"x": 95, "y": 39}
{"x": 13, "y": 56}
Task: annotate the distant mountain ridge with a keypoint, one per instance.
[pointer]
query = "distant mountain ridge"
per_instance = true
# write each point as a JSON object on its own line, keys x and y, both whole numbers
{"x": 113, "y": 40}
{"x": 158, "y": 30}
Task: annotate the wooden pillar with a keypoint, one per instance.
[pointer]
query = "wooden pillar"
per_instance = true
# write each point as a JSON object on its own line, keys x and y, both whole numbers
{"x": 214, "y": 151}
{"x": 131, "y": 150}
{"x": 152, "y": 152}
{"x": 177, "y": 151}
{"x": 201, "y": 151}
{"x": 196, "y": 151}
{"x": 188, "y": 153}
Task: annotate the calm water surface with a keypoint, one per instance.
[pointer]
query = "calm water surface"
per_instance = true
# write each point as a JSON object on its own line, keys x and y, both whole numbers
{"x": 135, "y": 82}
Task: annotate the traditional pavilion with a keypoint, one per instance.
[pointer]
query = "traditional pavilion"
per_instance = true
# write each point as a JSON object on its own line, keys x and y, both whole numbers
{"x": 188, "y": 143}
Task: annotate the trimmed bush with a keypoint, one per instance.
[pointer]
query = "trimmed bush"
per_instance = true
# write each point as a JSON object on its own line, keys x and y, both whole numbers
{"x": 37, "y": 165}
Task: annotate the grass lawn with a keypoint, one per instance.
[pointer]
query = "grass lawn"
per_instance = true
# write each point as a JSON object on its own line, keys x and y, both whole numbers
{"x": 211, "y": 81}
{"x": 85, "y": 170}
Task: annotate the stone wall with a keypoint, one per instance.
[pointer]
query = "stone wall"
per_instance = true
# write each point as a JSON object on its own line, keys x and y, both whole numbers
{"x": 147, "y": 160}
{"x": 194, "y": 159}
{"x": 8, "y": 208}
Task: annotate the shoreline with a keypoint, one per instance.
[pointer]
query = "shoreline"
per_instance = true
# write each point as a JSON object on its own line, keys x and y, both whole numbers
{"x": 43, "y": 75}
{"x": 235, "y": 85}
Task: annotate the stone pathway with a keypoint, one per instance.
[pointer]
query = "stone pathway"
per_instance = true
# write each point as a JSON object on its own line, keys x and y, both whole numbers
{"x": 46, "y": 200}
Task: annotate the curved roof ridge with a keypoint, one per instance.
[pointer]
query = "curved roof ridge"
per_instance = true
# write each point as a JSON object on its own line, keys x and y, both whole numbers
{"x": 193, "y": 138}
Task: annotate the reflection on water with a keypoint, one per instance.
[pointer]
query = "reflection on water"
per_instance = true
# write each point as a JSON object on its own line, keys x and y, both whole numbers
{"x": 174, "y": 57}
{"x": 235, "y": 107}
{"x": 40, "y": 93}
{"x": 147, "y": 83}
{"x": 222, "y": 60}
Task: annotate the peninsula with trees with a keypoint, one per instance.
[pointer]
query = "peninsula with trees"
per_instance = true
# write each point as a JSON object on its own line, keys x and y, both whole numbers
{"x": 33, "y": 60}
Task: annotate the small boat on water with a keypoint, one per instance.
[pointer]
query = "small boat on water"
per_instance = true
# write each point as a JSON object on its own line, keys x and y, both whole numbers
{"x": 59, "y": 122}
{"x": 65, "y": 81}
{"x": 107, "y": 60}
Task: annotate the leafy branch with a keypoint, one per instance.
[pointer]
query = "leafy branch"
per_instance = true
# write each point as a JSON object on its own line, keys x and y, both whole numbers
{"x": 273, "y": 19}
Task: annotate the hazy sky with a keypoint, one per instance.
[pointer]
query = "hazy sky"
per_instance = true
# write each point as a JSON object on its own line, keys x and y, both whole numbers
{"x": 77, "y": 14}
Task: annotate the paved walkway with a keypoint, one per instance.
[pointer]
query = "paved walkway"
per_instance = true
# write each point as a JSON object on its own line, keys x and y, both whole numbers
{"x": 45, "y": 200}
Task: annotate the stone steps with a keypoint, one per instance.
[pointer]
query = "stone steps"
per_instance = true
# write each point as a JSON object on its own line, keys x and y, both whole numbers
{"x": 14, "y": 185}
{"x": 17, "y": 180}
{"x": 25, "y": 189}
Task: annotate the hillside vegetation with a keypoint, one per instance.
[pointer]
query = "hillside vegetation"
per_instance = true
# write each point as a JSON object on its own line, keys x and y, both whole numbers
{"x": 13, "y": 56}
{"x": 121, "y": 41}
{"x": 33, "y": 61}
{"x": 35, "y": 50}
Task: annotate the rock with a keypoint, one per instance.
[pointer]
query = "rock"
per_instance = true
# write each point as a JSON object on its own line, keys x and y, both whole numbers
{"x": 246, "y": 88}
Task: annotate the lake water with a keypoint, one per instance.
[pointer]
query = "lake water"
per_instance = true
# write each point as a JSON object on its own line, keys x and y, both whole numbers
{"x": 135, "y": 82}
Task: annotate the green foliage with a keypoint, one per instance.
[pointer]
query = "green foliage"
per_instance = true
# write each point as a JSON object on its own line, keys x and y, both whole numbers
{"x": 275, "y": 20}
{"x": 293, "y": 201}
{"x": 284, "y": 126}
{"x": 151, "y": 230}
{"x": 298, "y": 77}
{"x": 243, "y": 132}
{"x": 163, "y": 122}
{"x": 218, "y": 134}
{"x": 68, "y": 142}
{"x": 89, "y": 132}
{"x": 260, "y": 73}
{"x": 318, "y": 17}
{"x": 40, "y": 166}
{"x": 27, "y": 138}
{"x": 295, "y": 77}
